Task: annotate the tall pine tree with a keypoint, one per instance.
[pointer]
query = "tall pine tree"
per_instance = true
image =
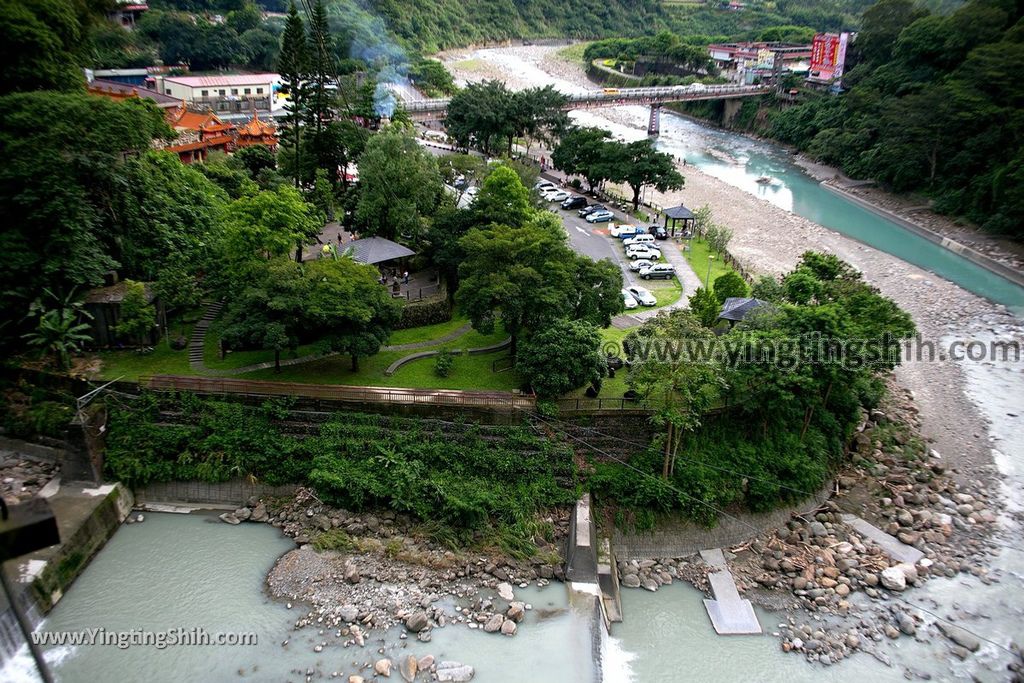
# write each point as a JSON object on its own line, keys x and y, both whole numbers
{"x": 321, "y": 68}
{"x": 293, "y": 65}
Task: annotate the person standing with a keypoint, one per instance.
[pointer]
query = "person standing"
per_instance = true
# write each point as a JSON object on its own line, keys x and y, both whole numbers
{"x": 405, "y": 278}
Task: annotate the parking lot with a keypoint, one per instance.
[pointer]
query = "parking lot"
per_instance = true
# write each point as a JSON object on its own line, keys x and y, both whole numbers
{"x": 593, "y": 240}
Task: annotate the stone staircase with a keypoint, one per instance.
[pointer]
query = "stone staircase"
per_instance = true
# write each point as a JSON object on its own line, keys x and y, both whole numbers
{"x": 197, "y": 341}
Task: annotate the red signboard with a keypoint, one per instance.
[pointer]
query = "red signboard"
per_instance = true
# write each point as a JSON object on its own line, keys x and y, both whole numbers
{"x": 828, "y": 54}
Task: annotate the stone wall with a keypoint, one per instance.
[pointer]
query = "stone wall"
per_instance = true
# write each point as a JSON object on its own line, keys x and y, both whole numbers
{"x": 679, "y": 539}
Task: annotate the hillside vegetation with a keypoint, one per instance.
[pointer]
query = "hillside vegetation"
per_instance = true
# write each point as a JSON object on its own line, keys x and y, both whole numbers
{"x": 934, "y": 105}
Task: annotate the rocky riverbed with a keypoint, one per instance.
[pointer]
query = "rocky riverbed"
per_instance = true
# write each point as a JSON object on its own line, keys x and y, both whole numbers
{"x": 369, "y": 582}
{"x": 841, "y": 593}
{"x": 21, "y": 477}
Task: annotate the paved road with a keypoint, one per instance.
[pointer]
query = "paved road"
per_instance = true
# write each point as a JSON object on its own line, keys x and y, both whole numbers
{"x": 593, "y": 240}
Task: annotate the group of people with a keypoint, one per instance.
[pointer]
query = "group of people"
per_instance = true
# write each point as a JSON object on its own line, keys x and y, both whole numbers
{"x": 395, "y": 277}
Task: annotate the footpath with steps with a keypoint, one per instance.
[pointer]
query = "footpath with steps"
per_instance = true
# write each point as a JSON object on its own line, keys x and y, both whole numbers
{"x": 730, "y": 614}
{"x": 198, "y": 339}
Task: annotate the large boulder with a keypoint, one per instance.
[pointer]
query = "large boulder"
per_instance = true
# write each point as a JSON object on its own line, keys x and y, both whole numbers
{"x": 959, "y": 636}
{"x": 259, "y": 513}
{"x": 382, "y": 667}
{"x": 408, "y": 668}
{"x": 508, "y": 628}
{"x": 894, "y": 579}
{"x": 494, "y": 623}
{"x": 505, "y": 591}
{"x": 417, "y": 621}
{"x": 454, "y": 672}
{"x": 230, "y": 518}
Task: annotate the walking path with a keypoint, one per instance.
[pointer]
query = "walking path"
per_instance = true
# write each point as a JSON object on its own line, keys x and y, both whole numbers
{"x": 196, "y": 343}
{"x": 730, "y": 614}
{"x": 229, "y": 372}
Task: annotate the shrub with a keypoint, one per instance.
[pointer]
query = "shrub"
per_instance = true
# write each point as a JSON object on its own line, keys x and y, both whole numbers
{"x": 443, "y": 362}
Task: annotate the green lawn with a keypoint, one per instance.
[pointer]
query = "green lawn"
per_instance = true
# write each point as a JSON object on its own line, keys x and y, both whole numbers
{"x": 665, "y": 291}
{"x": 697, "y": 256}
{"x": 130, "y": 365}
{"x": 428, "y": 332}
{"x": 468, "y": 372}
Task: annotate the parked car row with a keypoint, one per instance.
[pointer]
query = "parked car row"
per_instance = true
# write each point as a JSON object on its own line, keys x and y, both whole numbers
{"x": 642, "y": 250}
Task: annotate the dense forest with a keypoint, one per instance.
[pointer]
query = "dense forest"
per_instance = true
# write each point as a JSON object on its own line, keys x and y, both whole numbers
{"x": 214, "y": 34}
{"x": 935, "y": 104}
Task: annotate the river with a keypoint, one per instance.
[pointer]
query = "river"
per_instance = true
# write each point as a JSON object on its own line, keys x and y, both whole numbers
{"x": 739, "y": 161}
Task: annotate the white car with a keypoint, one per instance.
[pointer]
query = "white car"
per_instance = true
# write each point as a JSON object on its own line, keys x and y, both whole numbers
{"x": 637, "y": 240}
{"x": 640, "y": 264}
{"x": 643, "y": 296}
{"x": 543, "y": 185}
{"x": 643, "y": 251}
{"x": 627, "y": 300}
{"x": 622, "y": 229}
{"x": 559, "y": 196}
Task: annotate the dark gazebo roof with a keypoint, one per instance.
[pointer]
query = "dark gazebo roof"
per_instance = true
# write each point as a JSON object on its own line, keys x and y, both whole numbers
{"x": 736, "y": 308}
{"x": 678, "y": 213}
{"x": 377, "y": 250}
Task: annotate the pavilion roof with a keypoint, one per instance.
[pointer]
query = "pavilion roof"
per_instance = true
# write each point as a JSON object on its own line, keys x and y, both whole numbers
{"x": 737, "y": 307}
{"x": 377, "y": 250}
{"x": 678, "y": 212}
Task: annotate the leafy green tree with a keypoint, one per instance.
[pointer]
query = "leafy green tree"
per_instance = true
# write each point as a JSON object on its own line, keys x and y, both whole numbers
{"x": 322, "y": 196}
{"x": 261, "y": 48}
{"x": 399, "y": 187}
{"x": 58, "y": 183}
{"x": 246, "y": 18}
{"x": 560, "y": 357}
{"x": 254, "y": 159}
{"x": 293, "y": 63}
{"x": 718, "y": 237}
{"x": 336, "y": 303}
{"x": 264, "y": 226}
{"x": 40, "y": 45}
{"x": 598, "y": 295}
{"x": 521, "y": 276}
{"x": 728, "y": 285}
{"x": 321, "y": 68}
{"x": 503, "y": 199}
{"x": 639, "y": 164}
{"x": 767, "y": 288}
{"x": 478, "y": 116}
{"x": 581, "y": 151}
{"x": 705, "y": 307}
{"x": 59, "y": 328}
{"x": 177, "y": 287}
{"x": 680, "y": 387}
{"x": 882, "y": 24}
{"x": 136, "y": 315}
{"x": 431, "y": 77}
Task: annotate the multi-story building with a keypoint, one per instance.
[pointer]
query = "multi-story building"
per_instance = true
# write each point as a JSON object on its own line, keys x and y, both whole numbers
{"x": 223, "y": 94}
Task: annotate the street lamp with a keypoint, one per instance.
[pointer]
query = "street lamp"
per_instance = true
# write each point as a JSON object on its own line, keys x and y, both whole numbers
{"x": 707, "y": 280}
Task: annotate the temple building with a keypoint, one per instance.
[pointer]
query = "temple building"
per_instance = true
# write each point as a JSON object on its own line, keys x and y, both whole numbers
{"x": 255, "y": 131}
{"x": 199, "y": 130}
{"x": 199, "y": 133}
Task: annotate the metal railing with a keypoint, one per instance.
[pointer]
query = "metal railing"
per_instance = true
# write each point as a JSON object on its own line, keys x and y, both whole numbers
{"x": 337, "y": 392}
{"x": 584, "y": 404}
{"x": 613, "y": 96}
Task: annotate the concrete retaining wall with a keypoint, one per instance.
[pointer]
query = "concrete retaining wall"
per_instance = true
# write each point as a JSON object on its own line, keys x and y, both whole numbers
{"x": 679, "y": 539}
{"x": 975, "y": 257}
{"x": 228, "y": 494}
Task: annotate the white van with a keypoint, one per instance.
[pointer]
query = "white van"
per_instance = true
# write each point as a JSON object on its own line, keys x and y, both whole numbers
{"x": 638, "y": 239}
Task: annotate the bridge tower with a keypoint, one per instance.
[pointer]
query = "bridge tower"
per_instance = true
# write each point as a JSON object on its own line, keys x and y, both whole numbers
{"x": 654, "y": 124}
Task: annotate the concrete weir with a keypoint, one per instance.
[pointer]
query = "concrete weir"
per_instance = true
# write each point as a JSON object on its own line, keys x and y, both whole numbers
{"x": 893, "y": 547}
{"x": 730, "y": 614}
{"x": 590, "y": 565}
